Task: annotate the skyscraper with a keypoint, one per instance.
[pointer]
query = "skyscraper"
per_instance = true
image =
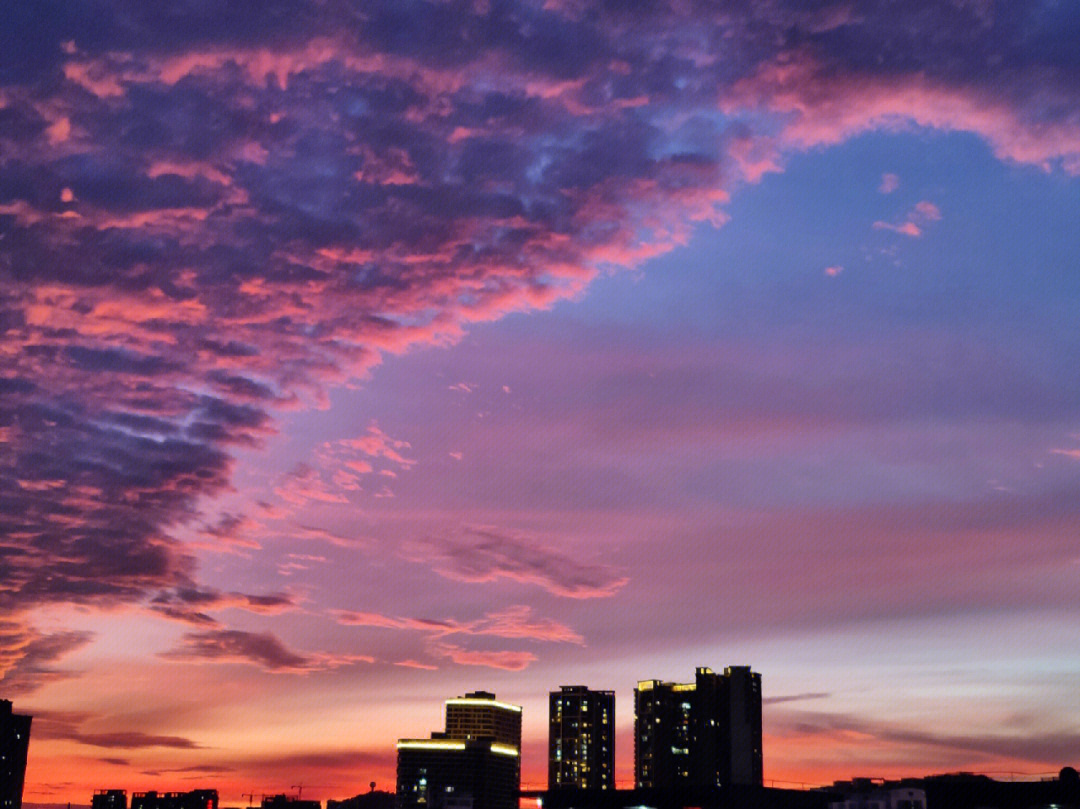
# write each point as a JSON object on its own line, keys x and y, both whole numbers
{"x": 581, "y": 738}
{"x": 700, "y": 734}
{"x": 478, "y": 715}
{"x": 14, "y": 744}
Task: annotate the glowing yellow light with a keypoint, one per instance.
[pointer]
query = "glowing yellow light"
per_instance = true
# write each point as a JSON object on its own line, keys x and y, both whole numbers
{"x": 429, "y": 744}
{"x": 504, "y": 749}
{"x": 473, "y": 701}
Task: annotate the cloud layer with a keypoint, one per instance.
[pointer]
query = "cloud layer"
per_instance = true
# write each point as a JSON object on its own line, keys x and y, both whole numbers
{"x": 216, "y": 214}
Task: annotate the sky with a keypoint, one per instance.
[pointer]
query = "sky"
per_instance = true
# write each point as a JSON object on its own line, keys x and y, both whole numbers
{"x": 359, "y": 355}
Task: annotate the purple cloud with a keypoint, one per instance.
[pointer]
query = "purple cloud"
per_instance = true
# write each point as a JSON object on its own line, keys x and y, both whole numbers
{"x": 68, "y": 725}
{"x": 216, "y": 215}
{"x": 484, "y": 554}
{"x": 261, "y": 649}
{"x": 28, "y": 657}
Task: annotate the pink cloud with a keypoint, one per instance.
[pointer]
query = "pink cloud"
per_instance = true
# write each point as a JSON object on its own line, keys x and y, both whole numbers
{"x": 264, "y": 650}
{"x": 907, "y": 228}
{"x": 514, "y": 622}
{"x": 927, "y": 210}
{"x": 416, "y": 664}
{"x": 485, "y": 554}
{"x": 505, "y": 660}
{"x": 889, "y": 183}
{"x": 303, "y": 485}
{"x": 824, "y": 105}
{"x": 914, "y": 221}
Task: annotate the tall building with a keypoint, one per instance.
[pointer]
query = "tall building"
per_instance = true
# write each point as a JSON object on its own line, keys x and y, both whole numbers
{"x": 581, "y": 738}
{"x": 478, "y": 715}
{"x": 442, "y": 773}
{"x": 474, "y": 764}
{"x": 14, "y": 744}
{"x": 701, "y": 734}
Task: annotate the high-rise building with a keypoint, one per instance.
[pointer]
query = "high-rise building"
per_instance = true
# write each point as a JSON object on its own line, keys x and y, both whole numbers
{"x": 701, "y": 734}
{"x": 14, "y": 744}
{"x": 442, "y": 773}
{"x": 478, "y": 715}
{"x": 581, "y": 738}
{"x": 474, "y": 764}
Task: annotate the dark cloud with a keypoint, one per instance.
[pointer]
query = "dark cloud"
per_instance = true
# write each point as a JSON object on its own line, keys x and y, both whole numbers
{"x": 210, "y": 211}
{"x": 69, "y": 725}
{"x": 484, "y": 554}
{"x": 210, "y": 769}
{"x": 190, "y": 604}
{"x": 135, "y": 739}
{"x": 28, "y": 657}
{"x": 264, "y": 650}
{"x": 795, "y": 697}
{"x": 1022, "y": 743}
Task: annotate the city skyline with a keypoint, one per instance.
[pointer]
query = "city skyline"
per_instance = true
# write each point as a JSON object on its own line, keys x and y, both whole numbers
{"x": 356, "y": 354}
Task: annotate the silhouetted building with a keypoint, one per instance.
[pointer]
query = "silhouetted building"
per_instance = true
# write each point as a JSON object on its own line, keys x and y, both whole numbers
{"x": 444, "y": 773}
{"x": 109, "y": 799}
{"x": 375, "y": 799}
{"x": 965, "y": 790}
{"x": 736, "y": 796}
{"x": 881, "y": 797}
{"x": 196, "y": 799}
{"x": 581, "y": 738}
{"x": 287, "y": 802}
{"x": 14, "y": 745}
{"x": 701, "y": 734}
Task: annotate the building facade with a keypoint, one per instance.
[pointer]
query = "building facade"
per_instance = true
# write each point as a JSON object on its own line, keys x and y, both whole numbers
{"x": 196, "y": 799}
{"x": 474, "y": 764}
{"x": 14, "y": 746}
{"x": 581, "y": 738}
{"x": 109, "y": 799}
{"x": 478, "y": 715}
{"x": 883, "y": 798}
{"x": 443, "y": 773}
{"x": 283, "y": 801}
{"x": 699, "y": 735}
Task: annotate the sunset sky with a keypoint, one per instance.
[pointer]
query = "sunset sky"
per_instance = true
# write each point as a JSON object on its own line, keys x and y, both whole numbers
{"x": 356, "y": 355}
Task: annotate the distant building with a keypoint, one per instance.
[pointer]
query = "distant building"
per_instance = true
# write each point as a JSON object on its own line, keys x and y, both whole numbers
{"x": 14, "y": 745}
{"x": 882, "y": 798}
{"x": 109, "y": 799}
{"x": 286, "y": 802}
{"x": 701, "y": 734}
{"x": 962, "y": 790}
{"x": 375, "y": 799}
{"x": 196, "y": 799}
{"x": 441, "y": 773}
{"x": 581, "y": 738}
{"x": 737, "y": 796}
